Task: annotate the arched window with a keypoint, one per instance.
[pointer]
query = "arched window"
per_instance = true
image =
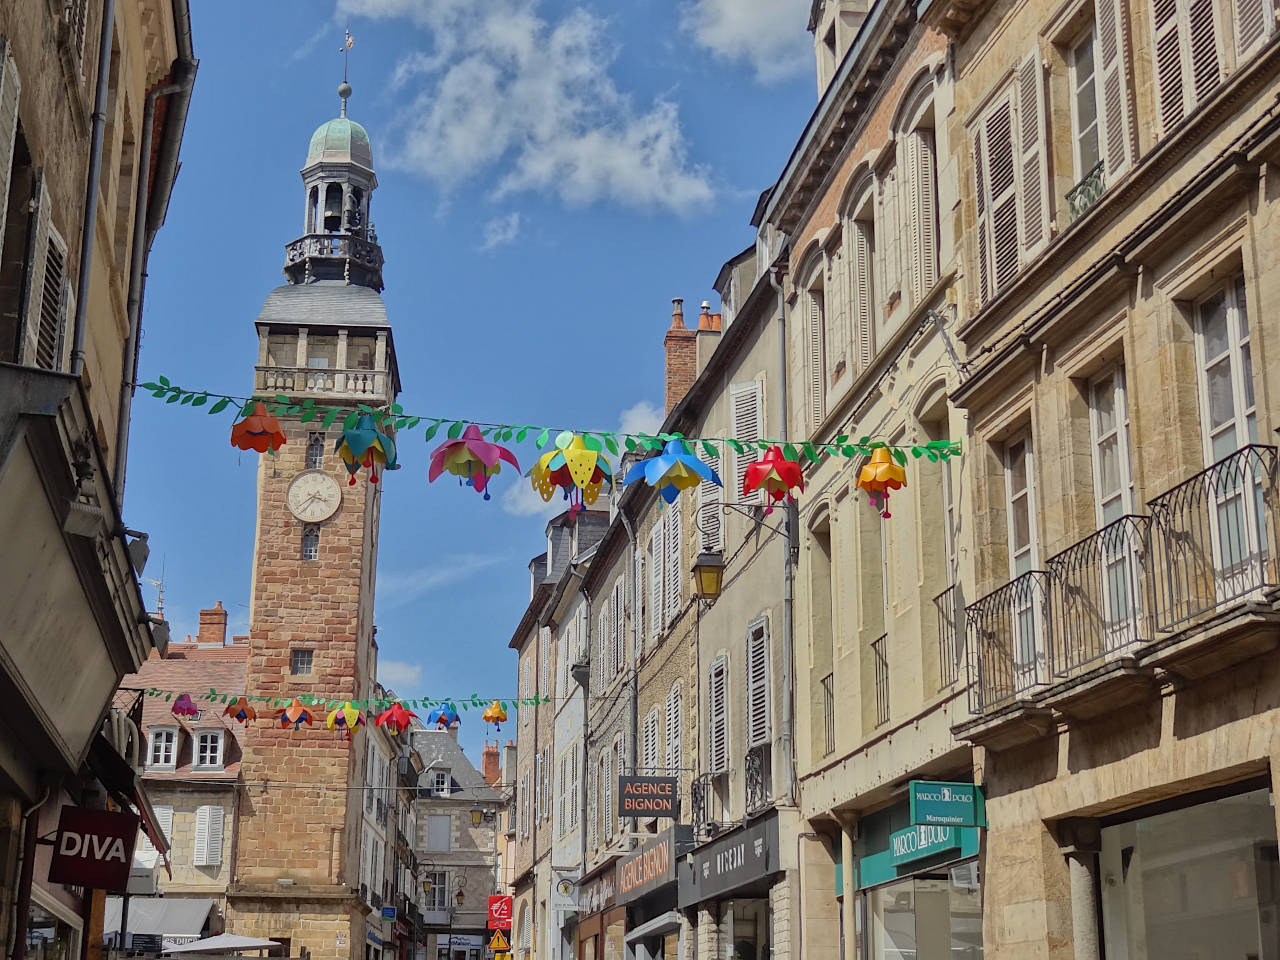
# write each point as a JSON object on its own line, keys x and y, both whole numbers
{"x": 858, "y": 241}
{"x": 315, "y": 450}
{"x": 311, "y": 542}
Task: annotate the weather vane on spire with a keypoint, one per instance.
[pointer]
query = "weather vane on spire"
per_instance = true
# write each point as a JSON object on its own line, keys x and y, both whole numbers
{"x": 344, "y": 88}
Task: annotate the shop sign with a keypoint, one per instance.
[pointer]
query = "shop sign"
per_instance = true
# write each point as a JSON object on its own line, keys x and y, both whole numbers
{"x": 564, "y": 893}
{"x": 946, "y": 804}
{"x": 918, "y": 842}
{"x": 654, "y": 864}
{"x": 598, "y": 894}
{"x": 732, "y": 861}
{"x": 647, "y": 797}
{"x": 93, "y": 848}
{"x": 500, "y": 911}
{"x": 388, "y": 913}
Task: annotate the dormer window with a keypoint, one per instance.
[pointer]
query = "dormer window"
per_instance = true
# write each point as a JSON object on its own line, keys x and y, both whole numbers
{"x": 163, "y": 750}
{"x": 442, "y": 784}
{"x": 209, "y": 750}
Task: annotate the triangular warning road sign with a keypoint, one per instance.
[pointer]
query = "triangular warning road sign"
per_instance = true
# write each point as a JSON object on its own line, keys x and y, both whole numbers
{"x": 498, "y": 943}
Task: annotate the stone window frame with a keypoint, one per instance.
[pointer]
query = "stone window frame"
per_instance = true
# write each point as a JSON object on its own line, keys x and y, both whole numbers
{"x": 219, "y": 762}
{"x": 296, "y": 659}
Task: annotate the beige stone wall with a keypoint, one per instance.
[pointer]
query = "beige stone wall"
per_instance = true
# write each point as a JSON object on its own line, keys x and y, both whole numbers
{"x": 189, "y": 879}
{"x": 329, "y": 929}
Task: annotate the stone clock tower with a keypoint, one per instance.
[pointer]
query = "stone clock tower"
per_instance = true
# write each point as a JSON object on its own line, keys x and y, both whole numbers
{"x": 323, "y": 336}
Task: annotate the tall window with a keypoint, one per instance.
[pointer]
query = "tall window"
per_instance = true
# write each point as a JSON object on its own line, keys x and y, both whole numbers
{"x": 315, "y": 450}
{"x": 164, "y": 748}
{"x": 1099, "y": 96}
{"x": 921, "y": 175}
{"x": 209, "y": 749}
{"x": 859, "y": 241}
{"x": 649, "y": 744}
{"x": 300, "y": 661}
{"x": 1228, "y": 411}
{"x": 1187, "y": 64}
{"x": 208, "y": 838}
{"x": 815, "y": 306}
{"x": 758, "y": 683}
{"x": 1084, "y": 107}
{"x": 1109, "y": 426}
{"x": 1023, "y": 553}
{"x": 746, "y": 407}
{"x": 438, "y": 895}
{"x": 654, "y": 557}
{"x": 718, "y": 716}
{"x": 311, "y": 542}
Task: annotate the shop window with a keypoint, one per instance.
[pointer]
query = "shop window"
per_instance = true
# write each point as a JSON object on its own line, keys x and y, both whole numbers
{"x": 1200, "y": 881}
{"x": 50, "y": 937}
{"x": 932, "y": 915}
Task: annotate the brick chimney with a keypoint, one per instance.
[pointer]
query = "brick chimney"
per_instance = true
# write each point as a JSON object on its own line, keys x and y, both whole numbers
{"x": 490, "y": 764}
{"x": 213, "y": 625}
{"x": 708, "y": 334}
{"x": 682, "y": 356}
{"x": 509, "y": 762}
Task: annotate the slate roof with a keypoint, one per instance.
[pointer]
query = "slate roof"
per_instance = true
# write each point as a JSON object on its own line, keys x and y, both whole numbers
{"x": 438, "y": 748}
{"x": 332, "y": 303}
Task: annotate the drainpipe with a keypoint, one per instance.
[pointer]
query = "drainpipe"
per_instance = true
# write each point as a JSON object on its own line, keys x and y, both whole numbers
{"x": 91, "y": 185}
{"x": 149, "y": 216}
{"x": 22, "y": 903}
{"x": 788, "y": 567}
{"x": 630, "y": 574}
{"x": 585, "y": 686}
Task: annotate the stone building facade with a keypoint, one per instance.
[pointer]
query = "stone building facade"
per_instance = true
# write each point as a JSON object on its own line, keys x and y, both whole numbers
{"x": 86, "y": 104}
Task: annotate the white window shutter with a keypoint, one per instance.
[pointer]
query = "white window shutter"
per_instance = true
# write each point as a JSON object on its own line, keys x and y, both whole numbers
{"x": 593, "y": 807}
{"x": 1253, "y": 21}
{"x": 608, "y": 814}
{"x": 746, "y": 406}
{"x": 200, "y": 855}
{"x": 656, "y": 563}
{"x": 602, "y": 645}
{"x": 982, "y": 201}
{"x": 718, "y": 716}
{"x": 758, "y": 684}
{"x": 164, "y": 820}
{"x": 817, "y": 370}
{"x": 637, "y": 615}
{"x": 10, "y": 91}
{"x": 1032, "y": 161}
{"x": 649, "y": 743}
{"x": 673, "y": 731}
{"x": 1002, "y": 195}
{"x": 710, "y": 496}
{"x": 537, "y": 785}
{"x": 573, "y": 791}
{"x": 924, "y": 211}
{"x": 674, "y": 567}
{"x": 1112, "y": 54}
{"x": 620, "y": 624}
{"x": 888, "y": 233}
{"x": 33, "y": 287}
{"x": 213, "y": 856}
{"x": 1202, "y": 34}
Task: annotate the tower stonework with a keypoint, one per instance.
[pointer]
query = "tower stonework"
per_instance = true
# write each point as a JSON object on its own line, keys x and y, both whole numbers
{"x": 322, "y": 336}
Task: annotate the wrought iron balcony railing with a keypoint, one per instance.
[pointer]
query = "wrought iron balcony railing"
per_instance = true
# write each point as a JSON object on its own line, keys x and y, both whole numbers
{"x": 829, "y": 712}
{"x": 1214, "y": 537}
{"x": 758, "y": 775}
{"x": 701, "y": 796}
{"x": 880, "y": 655}
{"x": 1098, "y": 596}
{"x": 1086, "y": 193}
{"x": 1008, "y": 633}
{"x": 950, "y": 636}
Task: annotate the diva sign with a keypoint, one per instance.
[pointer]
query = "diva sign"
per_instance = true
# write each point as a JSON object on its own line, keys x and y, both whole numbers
{"x": 94, "y": 848}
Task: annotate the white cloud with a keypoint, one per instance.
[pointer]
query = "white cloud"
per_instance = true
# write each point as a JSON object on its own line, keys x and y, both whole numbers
{"x": 313, "y": 41}
{"x": 398, "y": 675}
{"x": 644, "y": 417}
{"x": 528, "y": 104}
{"x": 500, "y": 231}
{"x": 396, "y": 588}
{"x": 769, "y": 35}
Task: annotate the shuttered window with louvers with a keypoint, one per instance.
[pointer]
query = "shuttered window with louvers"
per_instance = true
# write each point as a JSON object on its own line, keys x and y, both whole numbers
{"x": 655, "y": 556}
{"x": 649, "y": 744}
{"x": 637, "y": 615}
{"x": 758, "y": 683}
{"x": 1113, "y": 99}
{"x": 1032, "y": 167}
{"x": 1253, "y": 21}
{"x": 718, "y": 716}
{"x": 817, "y": 371}
{"x": 609, "y": 815}
{"x": 674, "y": 722}
{"x": 602, "y": 646}
{"x": 208, "y": 847}
{"x": 674, "y": 567}
{"x": 746, "y": 403}
{"x": 619, "y": 625}
{"x": 923, "y": 197}
{"x": 710, "y": 497}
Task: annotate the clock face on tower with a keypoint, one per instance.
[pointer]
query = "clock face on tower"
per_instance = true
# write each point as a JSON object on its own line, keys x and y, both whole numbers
{"x": 314, "y": 496}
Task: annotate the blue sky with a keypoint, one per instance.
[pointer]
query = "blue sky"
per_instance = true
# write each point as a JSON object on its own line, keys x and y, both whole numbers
{"x": 550, "y": 176}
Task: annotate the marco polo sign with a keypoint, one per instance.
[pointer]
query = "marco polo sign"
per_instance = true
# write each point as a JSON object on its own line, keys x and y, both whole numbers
{"x": 93, "y": 848}
{"x": 654, "y": 864}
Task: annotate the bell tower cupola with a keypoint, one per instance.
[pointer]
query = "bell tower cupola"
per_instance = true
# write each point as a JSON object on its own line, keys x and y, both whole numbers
{"x": 338, "y": 241}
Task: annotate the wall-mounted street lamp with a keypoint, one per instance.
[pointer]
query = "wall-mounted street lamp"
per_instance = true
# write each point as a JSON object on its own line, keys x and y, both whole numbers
{"x": 479, "y": 816}
{"x": 708, "y": 576}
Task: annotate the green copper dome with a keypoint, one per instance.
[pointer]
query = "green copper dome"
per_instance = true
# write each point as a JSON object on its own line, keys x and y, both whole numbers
{"x": 340, "y": 141}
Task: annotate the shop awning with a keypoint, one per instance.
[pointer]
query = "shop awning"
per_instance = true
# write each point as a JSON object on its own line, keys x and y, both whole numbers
{"x": 160, "y": 916}
{"x": 223, "y": 943}
{"x": 668, "y": 922}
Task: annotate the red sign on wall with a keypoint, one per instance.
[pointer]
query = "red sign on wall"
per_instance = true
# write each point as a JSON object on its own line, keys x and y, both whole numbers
{"x": 94, "y": 848}
{"x": 500, "y": 910}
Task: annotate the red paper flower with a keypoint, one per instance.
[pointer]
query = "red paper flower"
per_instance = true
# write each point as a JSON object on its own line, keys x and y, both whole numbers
{"x": 775, "y": 475}
{"x": 259, "y": 431}
{"x": 396, "y": 719}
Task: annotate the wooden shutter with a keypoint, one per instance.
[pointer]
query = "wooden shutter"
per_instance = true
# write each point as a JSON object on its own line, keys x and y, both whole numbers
{"x": 889, "y": 234}
{"x": 710, "y": 497}
{"x": 560, "y": 801}
{"x": 1001, "y": 195}
{"x": 817, "y": 372}
{"x": 602, "y": 645}
{"x": 982, "y": 201}
{"x": 1032, "y": 162}
{"x": 537, "y": 786}
{"x": 656, "y": 558}
{"x": 10, "y": 90}
{"x": 544, "y": 649}
{"x": 649, "y": 743}
{"x": 863, "y": 292}
{"x": 718, "y": 716}
{"x": 573, "y": 789}
{"x": 213, "y": 842}
{"x": 609, "y": 815}
{"x": 746, "y": 403}
{"x": 1253, "y": 21}
{"x": 619, "y": 625}
{"x": 673, "y": 731}
{"x": 1202, "y": 35}
{"x": 922, "y": 179}
{"x": 637, "y": 615}
{"x": 674, "y": 568}
{"x": 593, "y": 808}
{"x": 200, "y": 853}
{"x": 758, "y": 684}
{"x": 33, "y": 282}
{"x": 1112, "y": 73}
{"x": 1167, "y": 21}
{"x": 164, "y": 820}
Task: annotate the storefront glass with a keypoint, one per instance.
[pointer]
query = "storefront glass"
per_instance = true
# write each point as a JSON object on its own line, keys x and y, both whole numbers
{"x": 930, "y": 916}
{"x": 749, "y": 929}
{"x": 614, "y": 947}
{"x": 1194, "y": 883}
{"x": 49, "y": 938}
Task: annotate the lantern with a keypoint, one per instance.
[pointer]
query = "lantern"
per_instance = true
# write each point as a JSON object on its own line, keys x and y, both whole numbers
{"x": 470, "y": 456}
{"x": 258, "y": 431}
{"x": 879, "y": 476}
{"x": 708, "y": 575}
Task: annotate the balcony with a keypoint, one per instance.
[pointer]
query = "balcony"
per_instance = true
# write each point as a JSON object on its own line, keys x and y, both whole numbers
{"x": 375, "y": 900}
{"x": 881, "y": 660}
{"x": 707, "y": 803}
{"x": 829, "y": 713}
{"x": 299, "y": 380}
{"x": 1186, "y": 588}
{"x": 1086, "y": 193}
{"x": 950, "y": 636}
{"x": 758, "y": 780}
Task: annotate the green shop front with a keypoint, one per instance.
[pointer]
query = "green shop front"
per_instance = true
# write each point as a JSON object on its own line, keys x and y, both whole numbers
{"x": 918, "y": 889}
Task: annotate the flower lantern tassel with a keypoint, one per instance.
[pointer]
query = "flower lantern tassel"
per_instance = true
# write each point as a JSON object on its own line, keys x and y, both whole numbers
{"x": 495, "y": 714}
{"x": 184, "y": 706}
{"x": 673, "y": 470}
{"x": 240, "y": 711}
{"x": 397, "y": 719}
{"x": 470, "y": 456}
{"x": 364, "y": 445}
{"x": 346, "y": 718}
{"x": 258, "y": 431}
{"x": 879, "y": 476}
{"x": 775, "y": 475}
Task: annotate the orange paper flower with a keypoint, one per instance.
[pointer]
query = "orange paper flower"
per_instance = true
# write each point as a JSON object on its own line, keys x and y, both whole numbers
{"x": 258, "y": 431}
{"x": 294, "y": 715}
{"x": 880, "y": 476}
{"x": 240, "y": 711}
